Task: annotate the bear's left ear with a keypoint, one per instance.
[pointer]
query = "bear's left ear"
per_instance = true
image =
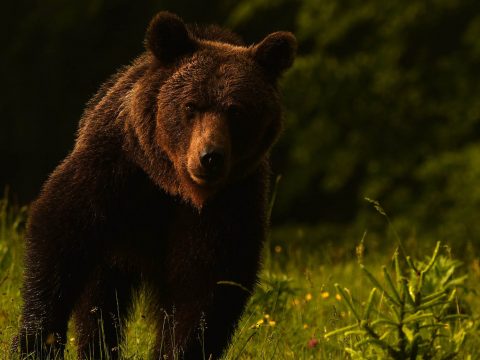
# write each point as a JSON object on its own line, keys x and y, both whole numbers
{"x": 276, "y": 53}
{"x": 168, "y": 39}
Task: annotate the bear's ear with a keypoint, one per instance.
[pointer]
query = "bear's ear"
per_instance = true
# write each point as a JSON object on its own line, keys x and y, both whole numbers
{"x": 276, "y": 53}
{"x": 168, "y": 39}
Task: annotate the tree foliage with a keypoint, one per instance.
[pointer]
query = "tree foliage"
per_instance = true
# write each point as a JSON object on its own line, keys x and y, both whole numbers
{"x": 383, "y": 102}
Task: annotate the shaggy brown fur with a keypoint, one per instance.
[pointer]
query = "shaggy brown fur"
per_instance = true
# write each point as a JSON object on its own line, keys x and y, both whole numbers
{"x": 166, "y": 188}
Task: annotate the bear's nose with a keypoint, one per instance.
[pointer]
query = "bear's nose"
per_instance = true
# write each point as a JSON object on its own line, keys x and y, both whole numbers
{"x": 212, "y": 161}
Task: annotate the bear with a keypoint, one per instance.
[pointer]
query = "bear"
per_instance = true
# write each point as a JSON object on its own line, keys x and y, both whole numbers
{"x": 165, "y": 191}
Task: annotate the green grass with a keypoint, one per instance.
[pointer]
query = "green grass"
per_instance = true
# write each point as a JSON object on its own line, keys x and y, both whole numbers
{"x": 308, "y": 274}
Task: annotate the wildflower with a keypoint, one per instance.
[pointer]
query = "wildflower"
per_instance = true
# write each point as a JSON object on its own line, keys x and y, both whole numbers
{"x": 266, "y": 316}
{"x": 312, "y": 343}
{"x": 338, "y": 297}
{"x": 325, "y": 294}
{"x": 272, "y": 323}
{"x": 308, "y": 297}
{"x": 305, "y": 326}
{"x": 295, "y": 302}
{"x": 257, "y": 324}
{"x": 72, "y": 339}
{"x": 278, "y": 249}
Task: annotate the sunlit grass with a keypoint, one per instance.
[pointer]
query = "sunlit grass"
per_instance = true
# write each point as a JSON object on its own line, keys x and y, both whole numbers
{"x": 11, "y": 254}
{"x": 294, "y": 306}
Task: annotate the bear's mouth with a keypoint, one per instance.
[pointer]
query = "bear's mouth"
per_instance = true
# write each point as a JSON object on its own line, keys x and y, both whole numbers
{"x": 205, "y": 180}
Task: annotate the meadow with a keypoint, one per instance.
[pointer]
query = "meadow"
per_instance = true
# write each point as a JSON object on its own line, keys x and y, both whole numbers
{"x": 319, "y": 297}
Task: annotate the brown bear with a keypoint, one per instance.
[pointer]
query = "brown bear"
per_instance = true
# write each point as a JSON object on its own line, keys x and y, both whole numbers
{"x": 166, "y": 189}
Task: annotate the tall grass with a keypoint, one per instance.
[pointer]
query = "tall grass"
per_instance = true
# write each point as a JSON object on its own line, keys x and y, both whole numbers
{"x": 297, "y": 311}
{"x": 12, "y": 219}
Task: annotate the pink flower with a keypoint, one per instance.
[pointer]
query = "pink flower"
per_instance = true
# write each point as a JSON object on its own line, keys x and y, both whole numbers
{"x": 312, "y": 343}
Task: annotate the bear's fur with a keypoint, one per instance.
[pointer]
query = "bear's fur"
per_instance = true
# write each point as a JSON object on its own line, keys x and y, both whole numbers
{"x": 165, "y": 189}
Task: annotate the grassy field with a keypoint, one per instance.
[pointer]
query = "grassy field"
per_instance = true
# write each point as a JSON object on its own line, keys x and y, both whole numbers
{"x": 315, "y": 300}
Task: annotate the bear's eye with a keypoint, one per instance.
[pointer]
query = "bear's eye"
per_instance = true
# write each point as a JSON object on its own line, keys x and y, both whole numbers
{"x": 190, "y": 109}
{"x": 234, "y": 112}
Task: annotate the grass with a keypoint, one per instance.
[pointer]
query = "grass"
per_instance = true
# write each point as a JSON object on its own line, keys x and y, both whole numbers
{"x": 314, "y": 301}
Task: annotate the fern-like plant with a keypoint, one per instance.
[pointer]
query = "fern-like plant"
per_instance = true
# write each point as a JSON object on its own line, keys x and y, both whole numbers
{"x": 413, "y": 313}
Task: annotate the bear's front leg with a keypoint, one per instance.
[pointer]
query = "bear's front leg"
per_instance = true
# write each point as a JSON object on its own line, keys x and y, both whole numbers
{"x": 57, "y": 258}
{"x": 212, "y": 268}
{"x": 50, "y": 288}
{"x": 101, "y": 313}
{"x": 236, "y": 277}
{"x": 238, "y": 221}
{"x": 218, "y": 323}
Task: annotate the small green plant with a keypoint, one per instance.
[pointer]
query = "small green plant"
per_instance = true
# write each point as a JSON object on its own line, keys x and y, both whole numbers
{"x": 414, "y": 312}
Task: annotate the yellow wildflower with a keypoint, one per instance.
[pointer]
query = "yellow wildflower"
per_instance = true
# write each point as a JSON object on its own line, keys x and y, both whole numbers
{"x": 257, "y": 324}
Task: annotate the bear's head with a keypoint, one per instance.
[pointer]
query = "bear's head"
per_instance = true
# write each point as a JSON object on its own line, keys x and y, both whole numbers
{"x": 218, "y": 110}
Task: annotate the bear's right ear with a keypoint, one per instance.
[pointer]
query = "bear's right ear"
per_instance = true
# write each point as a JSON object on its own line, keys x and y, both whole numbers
{"x": 276, "y": 53}
{"x": 168, "y": 39}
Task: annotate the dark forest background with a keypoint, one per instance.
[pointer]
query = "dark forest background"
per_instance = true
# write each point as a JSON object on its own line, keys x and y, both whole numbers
{"x": 383, "y": 100}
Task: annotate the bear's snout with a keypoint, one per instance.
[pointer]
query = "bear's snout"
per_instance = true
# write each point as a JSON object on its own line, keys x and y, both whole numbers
{"x": 208, "y": 157}
{"x": 212, "y": 161}
{"x": 210, "y": 166}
